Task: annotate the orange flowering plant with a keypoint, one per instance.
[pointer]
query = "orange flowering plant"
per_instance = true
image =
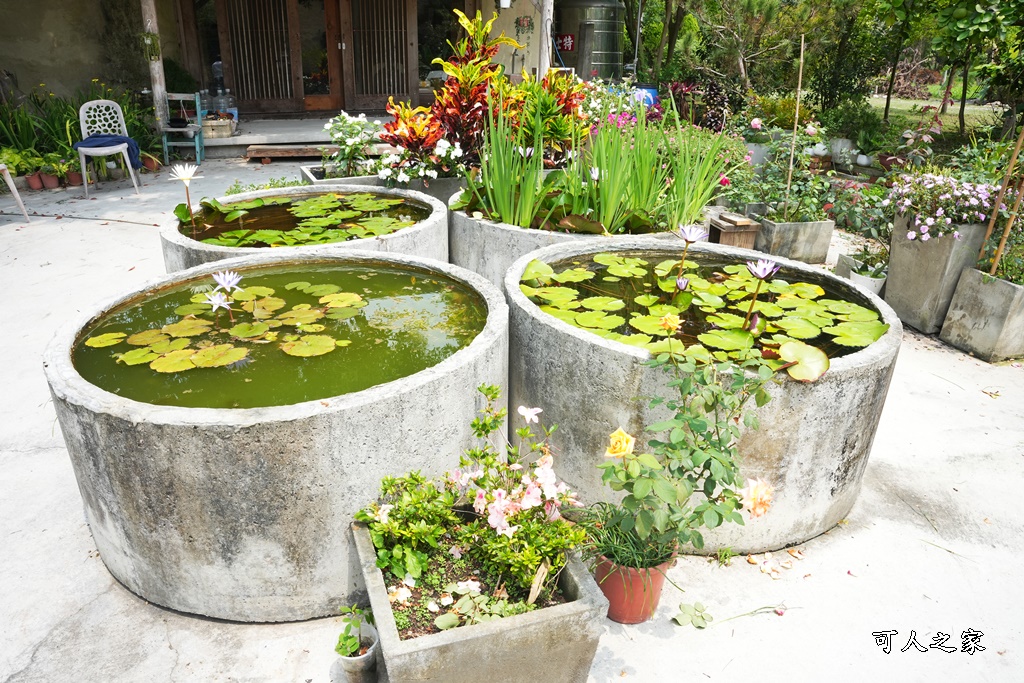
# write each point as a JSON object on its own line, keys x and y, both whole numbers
{"x": 690, "y": 478}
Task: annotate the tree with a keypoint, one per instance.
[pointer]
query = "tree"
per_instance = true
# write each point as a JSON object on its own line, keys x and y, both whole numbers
{"x": 969, "y": 28}
{"x": 745, "y": 31}
{"x": 842, "y": 61}
{"x": 903, "y": 14}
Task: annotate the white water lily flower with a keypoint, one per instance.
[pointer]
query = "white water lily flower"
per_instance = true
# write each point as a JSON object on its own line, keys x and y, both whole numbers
{"x": 227, "y": 280}
{"x": 218, "y": 300}
{"x": 184, "y": 172}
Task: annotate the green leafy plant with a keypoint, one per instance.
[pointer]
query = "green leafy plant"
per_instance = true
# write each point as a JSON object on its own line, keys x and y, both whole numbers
{"x": 272, "y": 184}
{"x": 352, "y": 135}
{"x": 491, "y": 533}
{"x": 350, "y": 641}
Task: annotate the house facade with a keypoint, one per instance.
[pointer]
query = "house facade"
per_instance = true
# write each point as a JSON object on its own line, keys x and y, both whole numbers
{"x": 278, "y": 57}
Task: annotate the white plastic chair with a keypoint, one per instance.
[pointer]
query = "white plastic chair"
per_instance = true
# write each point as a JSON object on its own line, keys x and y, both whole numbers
{"x": 14, "y": 190}
{"x": 103, "y": 116}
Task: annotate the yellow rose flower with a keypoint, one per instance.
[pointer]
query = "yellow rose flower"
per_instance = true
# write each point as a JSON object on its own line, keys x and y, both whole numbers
{"x": 620, "y": 444}
{"x": 669, "y": 322}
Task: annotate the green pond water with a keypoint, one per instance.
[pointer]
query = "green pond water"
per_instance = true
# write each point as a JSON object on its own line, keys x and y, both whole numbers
{"x": 619, "y": 297}
{"x": 299, "y": 333}
{"x": 300, "y": 220}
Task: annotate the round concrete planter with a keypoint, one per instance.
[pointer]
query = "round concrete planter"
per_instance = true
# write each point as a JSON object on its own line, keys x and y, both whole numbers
{"x": 244, "y": 514}
{"x": 814, "y": 439}
{"x": 489, "y": 248}
{"x": 426, "y": 239}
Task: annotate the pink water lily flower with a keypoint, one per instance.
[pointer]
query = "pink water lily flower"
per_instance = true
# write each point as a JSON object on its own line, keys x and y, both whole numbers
{"x": 227, "y": 280}
{"x": 692, "y": 233}
{"x": 763, "y": 269}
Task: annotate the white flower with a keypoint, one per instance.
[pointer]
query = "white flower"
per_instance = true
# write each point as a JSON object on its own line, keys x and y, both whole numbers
{"x": 351, "y": 142}
{"x": 227, "y": 280}
{"x": 184, "y": 172}
{"x": 447, "y": 599}
{"x": 381, "y": 515}
{"x": 442, "y": 147}
{"x": 218, "y": 300}
{"x": 384, "y": 173}
{"x": 402, "y": 177}
{"x": 431, "y": 173}
{"x": 529, "y": 414}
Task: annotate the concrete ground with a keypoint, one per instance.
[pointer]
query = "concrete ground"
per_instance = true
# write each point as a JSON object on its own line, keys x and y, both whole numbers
{"x": 932, "y": 545}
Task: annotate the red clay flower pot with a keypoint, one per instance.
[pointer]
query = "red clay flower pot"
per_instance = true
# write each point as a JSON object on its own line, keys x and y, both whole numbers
{"x": 50, "y": 181}
{"x": 34, "y": 181}
{"x": 633, "y": 594}
{"x": 74, "y": 178}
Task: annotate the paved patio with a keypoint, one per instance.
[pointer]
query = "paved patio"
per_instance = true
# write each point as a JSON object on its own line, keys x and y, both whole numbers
{"x": 933, "y": 545}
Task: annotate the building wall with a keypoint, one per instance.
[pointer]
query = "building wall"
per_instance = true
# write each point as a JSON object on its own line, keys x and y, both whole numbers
{"x": 59, "y": 43}
{"x": 507, "y": 18}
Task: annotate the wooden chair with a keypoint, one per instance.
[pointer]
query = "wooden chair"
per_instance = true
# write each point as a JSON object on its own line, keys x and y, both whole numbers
{"x": 191, "y": 133}
{"x": 103, "y": 116}
{"x": 14, "y": 190}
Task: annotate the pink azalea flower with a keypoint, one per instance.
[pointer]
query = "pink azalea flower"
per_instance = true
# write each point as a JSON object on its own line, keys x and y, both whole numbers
{"x": 756, "y": 124}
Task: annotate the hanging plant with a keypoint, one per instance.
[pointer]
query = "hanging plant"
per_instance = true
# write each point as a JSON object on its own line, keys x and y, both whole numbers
{"x": 150, "y": 46}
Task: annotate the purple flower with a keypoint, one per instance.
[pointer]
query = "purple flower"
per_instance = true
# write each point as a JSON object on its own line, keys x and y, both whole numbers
{"x": 754, "y": 320}
{"x": 692, "y": 233}
{"x": 682, "y": 283}
{"x": 911, "y": 235}
{"x": 763, "y": 269}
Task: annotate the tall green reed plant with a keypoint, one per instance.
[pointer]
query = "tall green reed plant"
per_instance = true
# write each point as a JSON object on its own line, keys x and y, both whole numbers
{"x": 698, "y": 165}
{"x": 511, "y": 185}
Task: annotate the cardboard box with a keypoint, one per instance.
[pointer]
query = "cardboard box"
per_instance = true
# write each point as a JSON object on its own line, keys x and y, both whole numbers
{"x": 219, "y": 128}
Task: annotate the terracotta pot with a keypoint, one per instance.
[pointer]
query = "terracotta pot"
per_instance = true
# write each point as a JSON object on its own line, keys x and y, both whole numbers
{"x": 50, "y": 181}
{"x": 151, "y": 163}
{"x": 74, "y": 178}
{"x": 34, "y": 181}
{"x": 633, "y": 594}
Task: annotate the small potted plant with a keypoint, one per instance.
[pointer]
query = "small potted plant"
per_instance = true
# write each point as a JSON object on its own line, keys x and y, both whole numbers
{"x": 357, "y": 646}
{"x": 53, "y": 170}
{"x": 869, "y": 270}
{"x": 352, "y": 137}
{"x": 476, "y": 565}
{"x": 687, "y": 481}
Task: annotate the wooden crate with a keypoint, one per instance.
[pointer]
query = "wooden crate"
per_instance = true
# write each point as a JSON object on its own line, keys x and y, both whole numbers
{"x": 734, "y": 230}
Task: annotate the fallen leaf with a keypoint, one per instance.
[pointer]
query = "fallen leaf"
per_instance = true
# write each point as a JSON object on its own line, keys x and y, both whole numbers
{"x": 787, "y": 564}
{"x": 987, "y": 520}
{"x": 751, "y": 559}
{"x": 851, "y": 573}
{"x": 796, "y": 553}
{"x": 807, "y": 576}
{"x": 993, "y": 394}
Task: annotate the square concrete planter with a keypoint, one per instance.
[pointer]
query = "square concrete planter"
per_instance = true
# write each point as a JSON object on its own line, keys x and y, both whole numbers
{"x": 986, "y": 317}
{"x": 308, "y": 176}
{"x": 551, "y": 644}
{"x": 924, "y": 275}
{"x": 807, "y": 242}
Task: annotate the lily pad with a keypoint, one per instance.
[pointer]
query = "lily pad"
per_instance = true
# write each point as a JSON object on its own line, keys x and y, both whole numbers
{"x": 727, "y": 321}
{"x": 138, "y": 356}
{"x": 146, "y": 338}
{"x": 727, "y": 340}
{"x": 187, "y": 327}
{"x": 573, "y": 275}
{"x": 265, "y": 307}
{"x": 649, "y": 324}
{"x": 857, "y": 333}
{"x": 193, "y": 309}
{"x": 537, "y": 269}
{"x": 809, "y": 362}
{"x": 797, "y": 327}
{"x": 342, "y": 313}
{"x": 599, "y": 319}
{"x": 309, "y": 345}
{"x": 561, "y": 314}
{"x": 342, "y": 300}
{"x": 300, "y": 316}
{"x": 108, "y": 339}
{"x": 647, "y": 299}
{"x": 163, "y": 347}
{"x": 602, "y": 303}
{"x": 321, "y": 290}
{"x": 297, "y": 285}
{"x": 219, "y": 355}
{"x": 249, "y": 330}
{"x": 175, "y": 361}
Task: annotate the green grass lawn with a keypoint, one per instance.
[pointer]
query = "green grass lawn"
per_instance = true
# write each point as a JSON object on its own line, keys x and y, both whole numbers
{"x": 975, "y": 116}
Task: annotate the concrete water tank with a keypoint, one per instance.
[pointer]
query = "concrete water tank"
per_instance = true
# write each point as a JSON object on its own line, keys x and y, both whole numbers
{"x": 609, "y": 24}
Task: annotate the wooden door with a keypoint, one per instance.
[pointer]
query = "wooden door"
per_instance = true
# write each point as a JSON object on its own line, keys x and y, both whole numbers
{"x": 379, "y": 53}
{"x": 321, "y": 54}
{"x": 261, "y": 53}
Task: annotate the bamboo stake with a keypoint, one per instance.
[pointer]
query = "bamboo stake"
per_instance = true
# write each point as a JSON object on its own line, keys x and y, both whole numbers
{"x": 1009, "y": 225}
{"x": 796, "y": 121}
{"x": 1002, "y": 191}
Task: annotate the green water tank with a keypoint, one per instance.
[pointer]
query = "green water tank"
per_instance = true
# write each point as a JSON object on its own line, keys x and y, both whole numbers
{"x": 608, "y": 17}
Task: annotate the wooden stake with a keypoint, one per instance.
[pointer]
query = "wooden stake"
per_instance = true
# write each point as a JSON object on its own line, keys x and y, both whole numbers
{"x": 1009, "y": 225}
{"x": 1002, "y": 192}
{"x": 796, "y": 120}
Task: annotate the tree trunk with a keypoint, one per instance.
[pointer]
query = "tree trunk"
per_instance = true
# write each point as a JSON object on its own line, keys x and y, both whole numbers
{"x": 963, "y": 90}
{"x": 895, "y": 62}
{"x": 659, "y": 55}
{"x": 632, "y": 7}
{"x": 673, "y": 32}
{"x": 949, "y": 89}
{"x": 156, "y": 66}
